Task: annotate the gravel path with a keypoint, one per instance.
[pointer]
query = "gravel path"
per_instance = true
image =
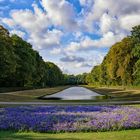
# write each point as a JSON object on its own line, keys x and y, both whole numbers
{"x": 70, "y": 103}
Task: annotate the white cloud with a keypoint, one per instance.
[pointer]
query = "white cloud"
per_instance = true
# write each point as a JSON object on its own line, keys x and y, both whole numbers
{"x": 92, "y": 15}
{"x": 60, "y": 12}
{"x": 92, "y": 58}
{"x": 47, "y": 40}
{"x": 8, "y": 22}
{"x": 31, "y": 22}
{"x": 117, "y": 9}
{"x": 72, "y": 58}
{"x": 36, "y": 25}
{"x": 18, "y": 32}
{"x": 107, "y": 40}
{"x": 110, "y": 19}
{"x": 83, "y": 2}
{"x": 36, "y": 22}
{"x": 129, "y": 21}
{"x": 56, "y": 51}
{"x": 105, "y": 23}
{"x": 83, "y": 64}
{"x": 86, "y": 2}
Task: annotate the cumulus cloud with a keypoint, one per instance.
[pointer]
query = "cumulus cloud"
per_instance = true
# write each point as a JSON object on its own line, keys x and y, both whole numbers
{"x": 35, "y": 23}
{"x": 17, "y": 32}
{"x": 117, "y": 9}
{"x": 106, "y": 22}
{"x": 111, "y": 22}
{"x": 86, "y": 3}
{"x": 72, "y": 58}
{"x": 83, "y": 64}
{"x": 56, "y": 51}
{"x": 129, "y": 21}
{"x": 49, "y": 39}
{"x": 8, "y": 21}
{"x": 91, "y": 59}
{"x": 107, "y": 40}
{"x": 57, "y": 27}
{"x": 60, "y": 12}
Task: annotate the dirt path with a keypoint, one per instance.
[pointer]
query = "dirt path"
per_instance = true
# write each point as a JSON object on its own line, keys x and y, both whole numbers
{"x": 71, "y": 103}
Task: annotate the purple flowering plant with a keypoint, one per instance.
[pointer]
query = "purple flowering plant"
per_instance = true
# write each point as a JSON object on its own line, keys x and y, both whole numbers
{"x": 69, "y": 118}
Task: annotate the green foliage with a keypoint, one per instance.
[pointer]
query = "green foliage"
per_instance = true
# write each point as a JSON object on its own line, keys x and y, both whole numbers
{"x": 121, "y": 66}
{"x": 95, "y": 76}
{"x": 7, "y": 58}
{"x": 75, "y": 79}
{"x": 55, "y": 76}
{"x": 136, "y": 54}
{"x": 70, "y": 79}
{"x": 21, "y": 66}
{"x": 81, "y": 79}
{"x": 119, "y": 62}
{"x": 25, "y": 58}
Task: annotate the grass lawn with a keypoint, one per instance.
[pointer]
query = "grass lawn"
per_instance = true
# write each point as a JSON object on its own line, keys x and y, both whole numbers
{"x": 29, "y": 95}
{"x": 116, "y": 135}
{"x": 117, "y": 93}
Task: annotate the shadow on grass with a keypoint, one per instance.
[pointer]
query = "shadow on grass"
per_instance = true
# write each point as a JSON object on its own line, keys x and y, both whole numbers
{"x": 21, "y": 136}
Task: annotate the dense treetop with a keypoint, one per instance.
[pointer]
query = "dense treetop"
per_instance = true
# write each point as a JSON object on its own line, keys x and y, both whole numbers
{"x": 21, "y": 66}
{"x": 121, "y": 66}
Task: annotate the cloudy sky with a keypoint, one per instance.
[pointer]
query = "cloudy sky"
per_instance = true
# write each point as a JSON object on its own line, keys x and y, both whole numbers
{"x": 74, "y": 34}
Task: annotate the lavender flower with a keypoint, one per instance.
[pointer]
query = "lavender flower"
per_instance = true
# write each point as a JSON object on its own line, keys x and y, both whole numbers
{"x": 69, "y": 118}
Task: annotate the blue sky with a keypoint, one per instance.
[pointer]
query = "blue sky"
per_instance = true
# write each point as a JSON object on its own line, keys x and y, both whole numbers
{"x": 74, "y": 34}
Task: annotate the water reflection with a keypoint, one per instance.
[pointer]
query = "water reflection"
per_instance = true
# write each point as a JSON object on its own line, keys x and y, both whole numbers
{"x": 76, "y": 93}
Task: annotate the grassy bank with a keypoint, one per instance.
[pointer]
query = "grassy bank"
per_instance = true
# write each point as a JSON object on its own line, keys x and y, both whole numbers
{"x": 29, "y": 95}
{"x": 116, "y": 135}
{"x": 117, "y": 92}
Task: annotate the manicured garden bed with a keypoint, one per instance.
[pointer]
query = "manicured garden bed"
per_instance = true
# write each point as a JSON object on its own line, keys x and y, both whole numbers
{"x": 69, "y": 118}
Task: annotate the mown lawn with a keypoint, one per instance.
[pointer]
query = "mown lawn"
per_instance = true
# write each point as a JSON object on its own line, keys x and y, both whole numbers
{"x": 117, "y": 93}
{"x": 29, "y": 95}
{"x": 115, "y": 135}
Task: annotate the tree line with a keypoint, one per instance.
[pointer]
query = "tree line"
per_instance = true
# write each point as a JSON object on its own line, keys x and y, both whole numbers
{"x": 121, "y": 66}
{"x": 21, "y": 66}
{"x": 79, "y": 79}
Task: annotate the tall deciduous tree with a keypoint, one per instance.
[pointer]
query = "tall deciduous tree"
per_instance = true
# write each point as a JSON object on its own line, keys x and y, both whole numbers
{"x": 136, "y": 54}
{"x": 7, "y": 58}
{"x": 121, "y": 66}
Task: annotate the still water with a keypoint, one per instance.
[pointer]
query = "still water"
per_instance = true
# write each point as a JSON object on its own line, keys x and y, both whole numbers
{"x": 75, "y": 93}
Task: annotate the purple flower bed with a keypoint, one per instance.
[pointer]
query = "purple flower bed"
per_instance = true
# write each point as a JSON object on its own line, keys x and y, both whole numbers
{"x": 69, "y": 118}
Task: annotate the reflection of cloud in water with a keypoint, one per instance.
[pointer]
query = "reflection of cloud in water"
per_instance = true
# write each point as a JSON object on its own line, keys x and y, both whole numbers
{"x": 74, "y": 93}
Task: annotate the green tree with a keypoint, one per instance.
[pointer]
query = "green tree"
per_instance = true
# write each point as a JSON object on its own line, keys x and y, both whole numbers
{"x": 136, "y": 54}
{"x": 26, "y": 62}
{"x": 95, "y": 75}
{"x": 119, "y": 63}
{"x": 7, "y": 58}
{"x": 55, "y": 76}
